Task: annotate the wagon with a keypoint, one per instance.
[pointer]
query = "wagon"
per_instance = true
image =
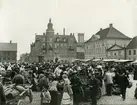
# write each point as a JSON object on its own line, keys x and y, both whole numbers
{"x": 17, "y": 98}
{"x": 86, "y": 89}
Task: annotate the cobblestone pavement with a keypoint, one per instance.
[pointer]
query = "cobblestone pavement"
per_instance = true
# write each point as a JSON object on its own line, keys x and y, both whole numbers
{"x": 105, "y": 100}
{"x": 117, "y": 100}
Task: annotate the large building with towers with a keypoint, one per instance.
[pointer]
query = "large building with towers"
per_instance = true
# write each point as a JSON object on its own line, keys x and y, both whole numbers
{"x": 50, "y": 46}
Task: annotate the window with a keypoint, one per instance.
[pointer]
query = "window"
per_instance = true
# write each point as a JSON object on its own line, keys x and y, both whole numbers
{"x": 129, "y": 52}
{"x": 134, "y": 52}
{"x": 115, "y": 54}
{"x": 61, "y": 45}
{"x": 64, "y": 39}
{"x": 57, "y": 39}
{"x": 119, "y": 52}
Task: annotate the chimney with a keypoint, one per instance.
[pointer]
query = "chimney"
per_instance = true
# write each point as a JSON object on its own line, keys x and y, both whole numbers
{"x": 80, "y": 37}
{"x": 10, "y": 41}
{"x": 44, "y": 34}
{"x": 111, "y": 25}
{"x": 101, "y": 29}
{"x": 63, "y": 31}
{"x": 57, "y": 33}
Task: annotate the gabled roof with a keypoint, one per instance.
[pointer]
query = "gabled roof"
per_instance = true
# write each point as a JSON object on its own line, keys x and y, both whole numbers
{"x": 115, "y": 45}
{"x": 111, "y": 32}
{"x": 108, "y": 33}
{"x": 132, "y": 44}
{"x": 8, "y": 46}
{"x": 93, "y": 38}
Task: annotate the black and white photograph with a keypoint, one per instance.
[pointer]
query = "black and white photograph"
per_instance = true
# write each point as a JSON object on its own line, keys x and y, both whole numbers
{"x": 68, "y": 52}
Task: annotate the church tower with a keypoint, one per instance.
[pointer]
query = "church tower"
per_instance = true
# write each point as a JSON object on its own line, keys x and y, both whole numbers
{"x": 50, "y": 30}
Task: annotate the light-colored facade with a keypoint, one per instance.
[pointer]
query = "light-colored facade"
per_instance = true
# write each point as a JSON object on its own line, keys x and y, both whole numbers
{"x": 116, "y": 52}
{"x": 131, "y": 49}
{"x": 97, "y": 45}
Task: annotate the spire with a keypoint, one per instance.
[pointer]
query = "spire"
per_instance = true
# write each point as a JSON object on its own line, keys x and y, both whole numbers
{"x": 50, "y": 20}
{"x": 50, "y": 29}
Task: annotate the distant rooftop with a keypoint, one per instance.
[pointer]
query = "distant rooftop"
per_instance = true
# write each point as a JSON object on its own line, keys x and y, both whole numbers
{"x": 109, "y": 33}
{"x": 132, "y": 44}
{"x": 8, "y": 46}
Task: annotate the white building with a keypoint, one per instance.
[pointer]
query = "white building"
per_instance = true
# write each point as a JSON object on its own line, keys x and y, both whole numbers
{"x": 97, "y": 45}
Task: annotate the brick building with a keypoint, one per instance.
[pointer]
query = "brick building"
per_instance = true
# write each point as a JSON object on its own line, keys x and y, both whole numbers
{"x": 8, "y": 52}
{"x": 50, "y": 46}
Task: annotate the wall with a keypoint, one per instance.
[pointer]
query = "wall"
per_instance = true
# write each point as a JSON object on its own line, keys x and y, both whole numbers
{"x": 95, "y": 49}
{"x": 8, "y": 56}
{"x": 117, "y": 54}
{"x": 132, "y": 56}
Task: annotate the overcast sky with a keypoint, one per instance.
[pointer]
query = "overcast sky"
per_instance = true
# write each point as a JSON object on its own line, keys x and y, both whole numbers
{"x": 21, "y": 19}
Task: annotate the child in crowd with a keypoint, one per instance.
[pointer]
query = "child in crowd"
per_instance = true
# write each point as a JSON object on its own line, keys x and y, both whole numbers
{"x": 135, "y": 92}
{"x": 45, "y": 96}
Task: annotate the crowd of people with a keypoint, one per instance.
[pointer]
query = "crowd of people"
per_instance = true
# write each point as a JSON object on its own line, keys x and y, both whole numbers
{"x": 62, "y": 82}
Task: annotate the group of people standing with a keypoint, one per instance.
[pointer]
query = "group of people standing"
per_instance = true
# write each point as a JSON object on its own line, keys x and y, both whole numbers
{"x": 60, "y": 83}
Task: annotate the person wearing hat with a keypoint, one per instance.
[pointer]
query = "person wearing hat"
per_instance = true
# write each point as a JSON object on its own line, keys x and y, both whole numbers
{"x": 94, "y": 85}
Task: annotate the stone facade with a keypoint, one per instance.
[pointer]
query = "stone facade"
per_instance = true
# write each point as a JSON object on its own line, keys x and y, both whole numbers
{"x": 50, "y": 46}
{"x": 97, "y": 45}
{"x": 116, "y": 52}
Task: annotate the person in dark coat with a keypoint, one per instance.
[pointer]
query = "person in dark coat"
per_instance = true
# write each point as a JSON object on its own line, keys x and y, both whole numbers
{"x": 2, "y": 95}
{"x": 19, "y": 79}
{"x": 123, "y": 83}
{"x": 135, "y": 73}
{"x": 94, "y": 85}
{"x": 76, "y": 87}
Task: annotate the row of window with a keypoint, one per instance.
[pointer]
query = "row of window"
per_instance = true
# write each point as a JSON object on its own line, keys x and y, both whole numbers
{"x": 7, "y": 53}
{"x": 7, "y": 58}
{"x": 97, "y": 50}
{"x": 132, "y": 53}
{"x": 115, "y": 54}
{"x": 60, "y": 45}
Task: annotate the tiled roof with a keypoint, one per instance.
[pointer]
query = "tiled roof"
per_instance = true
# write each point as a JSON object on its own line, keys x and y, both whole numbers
{"x": 103, "y": 33}
{"x": 8, "y": 46}
{"x": 133, "y": 43}
{"x": 94, "y": 37}
{"x": 62, "y": 37}
{"x": 111, "y": 32}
